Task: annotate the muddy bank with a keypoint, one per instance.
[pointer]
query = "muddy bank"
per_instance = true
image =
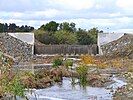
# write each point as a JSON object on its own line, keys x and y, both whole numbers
{"x": 48, "y": 77}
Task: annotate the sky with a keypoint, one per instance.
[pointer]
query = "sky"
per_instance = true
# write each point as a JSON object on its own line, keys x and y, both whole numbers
{"x": 107, "y": 15}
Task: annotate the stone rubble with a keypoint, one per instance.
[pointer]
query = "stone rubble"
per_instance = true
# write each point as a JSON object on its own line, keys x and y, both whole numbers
{"x": 122, "y": 47}
{"x": 14, "y": 47}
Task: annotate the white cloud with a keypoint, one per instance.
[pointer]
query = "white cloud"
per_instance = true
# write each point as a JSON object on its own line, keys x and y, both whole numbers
{"x": 49, "y": 13}
{"x": 30, "y": 15}
{"x": 98, "y": 6}
{"x": 115, "y": 14}
{"x": 74, "y": 4}
{"x": 125, "y": 20}
{"x": 125, "y": 4}
{"x": 21, "y": 22}
{"x": 124, "y": 30}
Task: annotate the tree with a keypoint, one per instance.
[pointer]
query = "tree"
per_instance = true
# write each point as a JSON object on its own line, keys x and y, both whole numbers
{"x": 50, "y": 27}
{"x": 83, "y": 37}
{"x": 67, "y": 27}
{"x": 1, "y": 27}
{"x": 87, "y": 37}
{"x": 66, "y": 33}
{"x": 12, "y": 27}
{"x": 65, "y": 37}
{"x": 94, "y": 34}
{"x": 5, "y": 27}
{"x": 45, "y": 37}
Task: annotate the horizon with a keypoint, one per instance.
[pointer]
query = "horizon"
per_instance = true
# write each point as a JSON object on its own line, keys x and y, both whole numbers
{"x": 109, "y": 16}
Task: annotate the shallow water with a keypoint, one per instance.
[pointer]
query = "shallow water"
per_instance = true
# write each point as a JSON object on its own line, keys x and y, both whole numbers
{"x": 66, "y": 91}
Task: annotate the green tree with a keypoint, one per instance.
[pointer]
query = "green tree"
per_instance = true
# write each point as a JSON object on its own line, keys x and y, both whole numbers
{"x": 93, "y": 34}
{"x": 1, "y": 27}
{"x": 65, "y": 37}
{"x": 12, "y": 27}
{"x": 45, "y": 37}
{"x": 83, "y": 37}
{"x": 39, "y": 35}
{"x": 5, "y": 27}
{"x": 87, "y": 37}
{"x": 50, "y": 27}
{"x": 67, "y": 27}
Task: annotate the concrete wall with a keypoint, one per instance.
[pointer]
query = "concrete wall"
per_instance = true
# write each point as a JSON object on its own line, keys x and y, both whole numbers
{"x": 65, "y": 49}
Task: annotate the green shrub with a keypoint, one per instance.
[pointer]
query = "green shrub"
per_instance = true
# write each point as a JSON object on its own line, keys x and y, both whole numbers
{"x": 10, "y": 82}
{"x": 15, "y": 87}
{"x": 57, "y": 62}
{"x": 68, "y": 63}
{"x": 82, "y": 71}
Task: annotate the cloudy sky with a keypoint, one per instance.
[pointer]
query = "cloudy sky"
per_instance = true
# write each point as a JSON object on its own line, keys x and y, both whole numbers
{"x": 108, "y": 15}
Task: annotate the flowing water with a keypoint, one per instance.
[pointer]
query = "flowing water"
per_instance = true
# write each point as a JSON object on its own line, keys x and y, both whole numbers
{"x": 66, "y": 91}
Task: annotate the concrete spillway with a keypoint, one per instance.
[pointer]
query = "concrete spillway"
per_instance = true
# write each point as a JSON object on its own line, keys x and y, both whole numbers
{"x": 25, "y": 37}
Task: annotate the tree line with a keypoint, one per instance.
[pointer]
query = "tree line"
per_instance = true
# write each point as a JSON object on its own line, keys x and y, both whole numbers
{"x": 65, "y": 33}
{"x": 57, "y": 33}
{"x": 12, "y": 27}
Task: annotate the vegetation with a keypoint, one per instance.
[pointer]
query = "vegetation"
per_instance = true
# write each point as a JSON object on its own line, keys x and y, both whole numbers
{"x": 14, "y": 28}
{"x": 56, "y": 33}
{"x": 15, "y": 87}
{"x": 68, "y": 63}
{"x": 65, "y": 37}
{"x": 65, "y": 33}
{"x": 57, "y": 62}
{"x": 92, "y": 61}
{"x": 9, "y": 82}
{"x": 82, "y": 71}
{"x": 87, "y": 59}
{"x": 50, "y": 27}
{"x": 45, "y": 37}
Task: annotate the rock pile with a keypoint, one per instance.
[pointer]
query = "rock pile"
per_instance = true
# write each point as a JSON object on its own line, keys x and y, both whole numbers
{"x": 15, "y": 47}
{"x": 123, "y": 47}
